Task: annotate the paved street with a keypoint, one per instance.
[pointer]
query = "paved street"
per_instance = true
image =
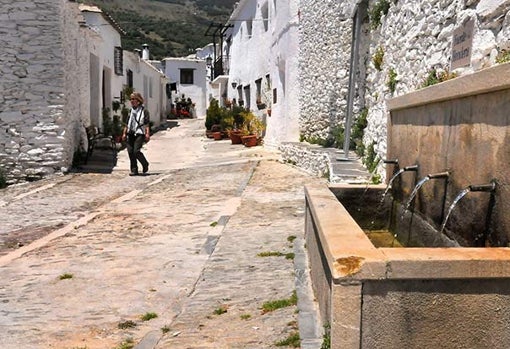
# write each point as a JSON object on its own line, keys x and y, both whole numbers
{"x": 200, "y": 244}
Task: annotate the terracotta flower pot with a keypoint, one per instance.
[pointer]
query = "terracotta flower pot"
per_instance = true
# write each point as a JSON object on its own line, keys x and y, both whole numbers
{"x": 235, "y": 137}
{"x": 249, "y": 141}
{"x": 217, "y": 136}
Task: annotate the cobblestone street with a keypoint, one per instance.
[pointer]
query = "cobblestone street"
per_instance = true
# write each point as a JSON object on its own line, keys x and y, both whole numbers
{"x": 86, "y": 255}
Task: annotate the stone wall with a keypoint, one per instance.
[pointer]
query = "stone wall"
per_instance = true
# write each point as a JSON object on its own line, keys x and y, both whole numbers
{"x": 415, "y": 36}
{"x": 37, "y": 131}
{"x": 311, "y": 158}
{"x": 325, "y": 36}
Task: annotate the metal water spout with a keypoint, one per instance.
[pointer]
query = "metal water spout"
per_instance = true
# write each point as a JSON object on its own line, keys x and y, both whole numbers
{"x": 489, "y": 187}
{"x": 402, "y": 170}
{"x": 420, "y": 184}
{"x": 392, "y": 161}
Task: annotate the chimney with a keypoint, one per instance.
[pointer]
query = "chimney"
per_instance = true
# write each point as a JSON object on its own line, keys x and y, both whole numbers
{"x": 145, "y": 52}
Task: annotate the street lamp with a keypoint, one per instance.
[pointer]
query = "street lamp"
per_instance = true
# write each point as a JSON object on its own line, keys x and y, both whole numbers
{"x": 208, "y": 63}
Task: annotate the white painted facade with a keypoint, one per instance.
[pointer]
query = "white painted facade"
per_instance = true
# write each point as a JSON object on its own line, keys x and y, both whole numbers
{"x": 196, "y": 89}
{"x": 105, "y": 84}
{"x": 264, "y": 64}
{"x": 58, "y": 73}
{"x": 150, "y": 82}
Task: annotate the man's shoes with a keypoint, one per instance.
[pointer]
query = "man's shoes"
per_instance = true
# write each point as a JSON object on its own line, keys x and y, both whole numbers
{"x": 133, "y": 173}
{"x": 145, "y": 169}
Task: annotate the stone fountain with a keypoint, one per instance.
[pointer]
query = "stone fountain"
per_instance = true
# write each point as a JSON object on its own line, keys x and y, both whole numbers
{"x": 450, "y": 286}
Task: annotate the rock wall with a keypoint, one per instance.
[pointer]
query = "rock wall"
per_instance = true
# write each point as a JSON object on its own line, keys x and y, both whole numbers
{"x": 38, "y": 117}
{"x": 415, "y": 36}
{"x": 325, "y": 35}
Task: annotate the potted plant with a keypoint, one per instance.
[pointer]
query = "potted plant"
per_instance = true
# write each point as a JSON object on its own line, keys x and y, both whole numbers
{"x": 260, "y": 105}
{"x": 117, "y": 128}
{"x": 252, "y": 129}
{"x": 213, "y": 116}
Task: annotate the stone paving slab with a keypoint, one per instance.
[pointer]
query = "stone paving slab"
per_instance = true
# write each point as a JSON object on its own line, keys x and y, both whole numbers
{"x": 180, "y": 243}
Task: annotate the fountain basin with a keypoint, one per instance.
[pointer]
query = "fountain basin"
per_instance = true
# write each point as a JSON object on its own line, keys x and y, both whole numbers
{"x": 414, "y": 297}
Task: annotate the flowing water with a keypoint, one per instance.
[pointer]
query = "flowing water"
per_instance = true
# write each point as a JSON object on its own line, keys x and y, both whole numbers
{"x": 452, "y": 206}
{"x": 402, "y": 170}
{"x": 413, "y": 194}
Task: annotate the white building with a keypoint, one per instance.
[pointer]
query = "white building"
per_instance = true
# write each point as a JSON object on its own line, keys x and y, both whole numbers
{"x": 263, "y": 53}
{"x": 105, "y": 65}
{"x": 189, "y": 76}
{"x": 144, "y": 77}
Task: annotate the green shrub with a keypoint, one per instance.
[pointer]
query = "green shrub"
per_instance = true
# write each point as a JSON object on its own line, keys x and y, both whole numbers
{"x": 503, "y": 56}
{"x": 392, "y": 80}
{"x": 435, "y": 76}
{"x": 379, "y": 9}
{"x": 213, "y": 114}
{"x": 358, "y": 131}
{"x": 378, "y": 57}
{"x": 3, "y": 180}
{"x": 371, "y": 160}
{"x": 107, "y": 122}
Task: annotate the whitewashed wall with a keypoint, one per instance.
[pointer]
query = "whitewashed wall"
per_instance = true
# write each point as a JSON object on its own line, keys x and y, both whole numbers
{"x": 415, "y": 35}
{"x": 151, "y": 83}
{"x": 39, "y": 114}
{"x": 105, "y": 39}
{"x": 196, "y": 91}
{"x": 271, "y": 49}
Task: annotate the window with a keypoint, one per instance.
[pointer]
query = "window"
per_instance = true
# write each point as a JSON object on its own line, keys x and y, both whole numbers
{"x": 187, "y": 76}
{"x": 258, "y": 92}
{"x": 240, "y": 95}
{"x": 249, "y": 27}
{"x": 247, "y": 97}
{"x": 265, "y": 16}
{"x": 129, "y": 78}
{"x": 118, "y": 62}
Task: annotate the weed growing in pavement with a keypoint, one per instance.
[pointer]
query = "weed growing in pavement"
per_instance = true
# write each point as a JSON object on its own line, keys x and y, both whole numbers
{"x": 149, "y": 316}
{"x": 127, "y": 344}
{"x": 291, "y": 341}
{"x": 65, "y": 276}
{"x": 278, "y": 304}
{"x": 326, "y": 337}
{"x": 165, "y": 329}
{"x": 291, "y": 238}
{"x": 126, "y": 324}
{"x": 245, "y": 317}
{"x": 276, "y": 254}
{"x": 221, "y": 310}
{"x": 213, "y": 224}
{"x": 270, "y": 254}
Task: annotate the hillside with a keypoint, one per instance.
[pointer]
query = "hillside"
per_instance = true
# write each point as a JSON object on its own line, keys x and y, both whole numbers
{"x": 171, "y": 28}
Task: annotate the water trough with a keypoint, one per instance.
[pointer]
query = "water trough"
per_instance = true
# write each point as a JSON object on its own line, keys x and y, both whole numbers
{"x": 450, "y": 288}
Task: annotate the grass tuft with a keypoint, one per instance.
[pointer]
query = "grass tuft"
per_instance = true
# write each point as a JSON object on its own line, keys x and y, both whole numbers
{"x": 278, "y": 304}
{"x": 65, "y": 276}
{"x": 291, "y": 341}
{"x": 149, "y": 316}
